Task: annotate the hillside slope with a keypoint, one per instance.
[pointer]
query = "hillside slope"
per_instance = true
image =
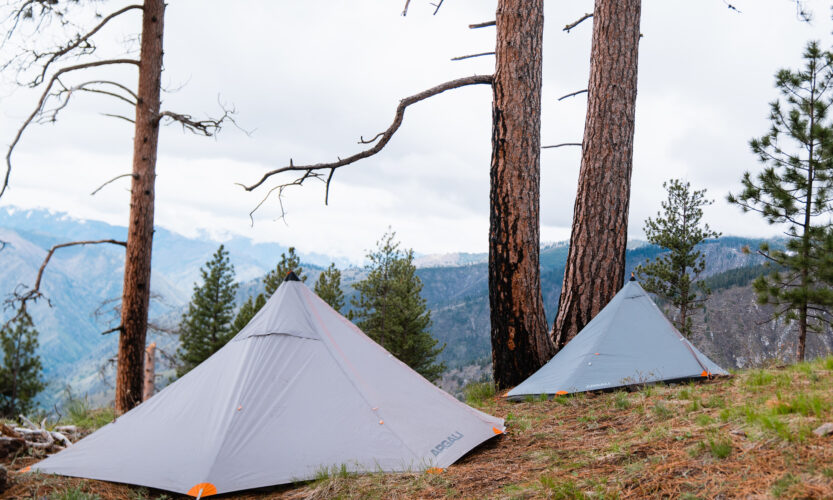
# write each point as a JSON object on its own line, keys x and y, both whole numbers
{"x": 749, "y": 436}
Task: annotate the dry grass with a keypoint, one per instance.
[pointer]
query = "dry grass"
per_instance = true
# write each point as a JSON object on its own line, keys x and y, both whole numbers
{"x": 748, "y": 437}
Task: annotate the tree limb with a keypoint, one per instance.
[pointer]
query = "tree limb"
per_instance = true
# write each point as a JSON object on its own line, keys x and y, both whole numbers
{"x": 460, "y": 58}
{"x": 438, "y": 5}
{"x": 579, "y": 21}
{"x": 384, "y": 137}
{"x": 120, "y": 117}
{"x": 208, "y": 127}
{"x": 562, "y": 145}
{"x": 34, "y": 293}
{"x": 77, "y": 42}
{"x": 482, "y": 25}
{"x": 111, "y": 330}
{"x": 405, "y": 10}
{"x": 41, "y": 102}
{"x": 48, "y": 116}
{"x": 577, "y": 92}
{"x": 99, "y": 188}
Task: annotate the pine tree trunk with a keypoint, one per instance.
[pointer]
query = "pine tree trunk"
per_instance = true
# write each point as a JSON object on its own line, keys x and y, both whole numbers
{"x": 595, "y": 268}
{"x": 520, "y": 344}
{"x": 136, "y": 292}
{"x": 150, "y": 371}
{"x": 802, "y": 333}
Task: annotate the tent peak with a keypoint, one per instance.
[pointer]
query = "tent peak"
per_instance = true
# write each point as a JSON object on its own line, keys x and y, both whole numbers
{"x": 291, "y": 276}
{"x": 633, "y": 278}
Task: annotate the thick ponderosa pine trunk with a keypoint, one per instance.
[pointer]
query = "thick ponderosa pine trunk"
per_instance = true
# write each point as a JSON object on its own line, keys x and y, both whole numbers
{"x": 595, "y": 268}
{"x": 520, "y": 344}
{"x": 136, "y": 292}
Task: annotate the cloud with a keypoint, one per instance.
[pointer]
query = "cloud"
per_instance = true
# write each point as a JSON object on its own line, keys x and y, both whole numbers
{"x": 309, "y": 78}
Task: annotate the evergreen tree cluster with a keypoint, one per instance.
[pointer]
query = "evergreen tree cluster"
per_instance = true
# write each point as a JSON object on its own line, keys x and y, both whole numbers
{"x": 20, "y": 375}
{"x": 207, "y": 324}
{"x": 389, "y": 307}
{"x": 289, "y": 262}
{"x": 391, "y": 311}
{"x": 328, "y": 287}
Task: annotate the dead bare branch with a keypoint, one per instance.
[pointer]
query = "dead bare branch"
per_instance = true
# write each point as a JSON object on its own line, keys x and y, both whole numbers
{"x": 562, "y": 145}
{"x": 120, "y": 117}
{"x": 99, "y": 188}
{"x": 579, "y": 21}
{"x": 65, "y": 93}
{"x": 405, "y": 10}
{"x": 482, "y": 25}
{"x": 308, "y": 174}
{"x": 34, "y": 293}
{"x": 460, "y": 58}
{"x": 208, "y": 127}
{"x": 81, "y": 39}
{"x": 572, "y": 94}
{"x": 385, "y": 136}
{"x": 39, "y": 108}
{"x": 437, "y": 5}
{"x": 111, "y": 330}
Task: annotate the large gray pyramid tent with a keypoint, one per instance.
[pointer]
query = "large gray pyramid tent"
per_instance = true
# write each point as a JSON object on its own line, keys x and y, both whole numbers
{"x": 299, "y": 390}
{"x": 629, "y": 342}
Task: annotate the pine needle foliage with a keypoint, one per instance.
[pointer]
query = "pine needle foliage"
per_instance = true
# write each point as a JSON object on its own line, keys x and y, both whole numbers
{"x": 247, "y": 311}
{"x": 328, "y": 287}
{"x": 674, "y": 275}
{"x": 794, "y": 190}
{"x": 273, "y": 279}
{"x": 391, "y": 311}
{"x": 207, "y": 325}
{"x": 20, "y": 376}
{"x": 289, "y": 262}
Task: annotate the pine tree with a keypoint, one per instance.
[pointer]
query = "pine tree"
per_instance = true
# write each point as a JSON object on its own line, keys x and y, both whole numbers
{"x": 275, "y": 277}
{"x": 207, "y": 325}
{"x": 391, "y": 310}
{"x": 674, "y": 275}
{"x": 328, "y": 287}
{"x": 247, "y": 312}
{"x": 20, "y": 376}
{"x": 794, "y": 189}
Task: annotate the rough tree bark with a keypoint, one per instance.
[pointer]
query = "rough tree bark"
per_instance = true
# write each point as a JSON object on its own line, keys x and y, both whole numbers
{"x": 520, "y": 344}
{"x": 150, "y": 371}
{"x": 595, "y": 268}
{"x": 136, "y": 292}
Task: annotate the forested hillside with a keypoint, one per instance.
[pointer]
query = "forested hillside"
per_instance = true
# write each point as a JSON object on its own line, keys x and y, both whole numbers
{"x": 82, "y": 282}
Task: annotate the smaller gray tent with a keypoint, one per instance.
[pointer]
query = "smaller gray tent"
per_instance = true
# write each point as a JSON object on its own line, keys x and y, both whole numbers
{"x": 298, "y": 391}
{"x": 629, "y": 342}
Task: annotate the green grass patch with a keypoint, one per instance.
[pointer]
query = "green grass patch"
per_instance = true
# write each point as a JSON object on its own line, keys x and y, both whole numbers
{"x": 621, "y": 400}
{"x": 477, "y": 393}
{"x": 759, "y": 378}
{"x": 704, "y": 420}
{"x": 720, "y": 448}
{"x": 515, "y": 422}
{"x": 562, "y": 490}
{"x": 80, "y": 414}
{"x": 781, "y": 487}
{"x": 661, "y": 411}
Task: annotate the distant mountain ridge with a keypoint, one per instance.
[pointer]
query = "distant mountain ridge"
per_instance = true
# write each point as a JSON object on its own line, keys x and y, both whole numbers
{"x": 83, "y": 280}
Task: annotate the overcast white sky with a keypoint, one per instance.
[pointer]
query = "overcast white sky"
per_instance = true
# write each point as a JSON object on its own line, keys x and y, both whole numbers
{"x": 308, "y": 78}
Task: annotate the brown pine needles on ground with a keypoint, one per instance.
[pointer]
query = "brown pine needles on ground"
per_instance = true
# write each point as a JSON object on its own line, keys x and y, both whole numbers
{"x": 749, "y": 436}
